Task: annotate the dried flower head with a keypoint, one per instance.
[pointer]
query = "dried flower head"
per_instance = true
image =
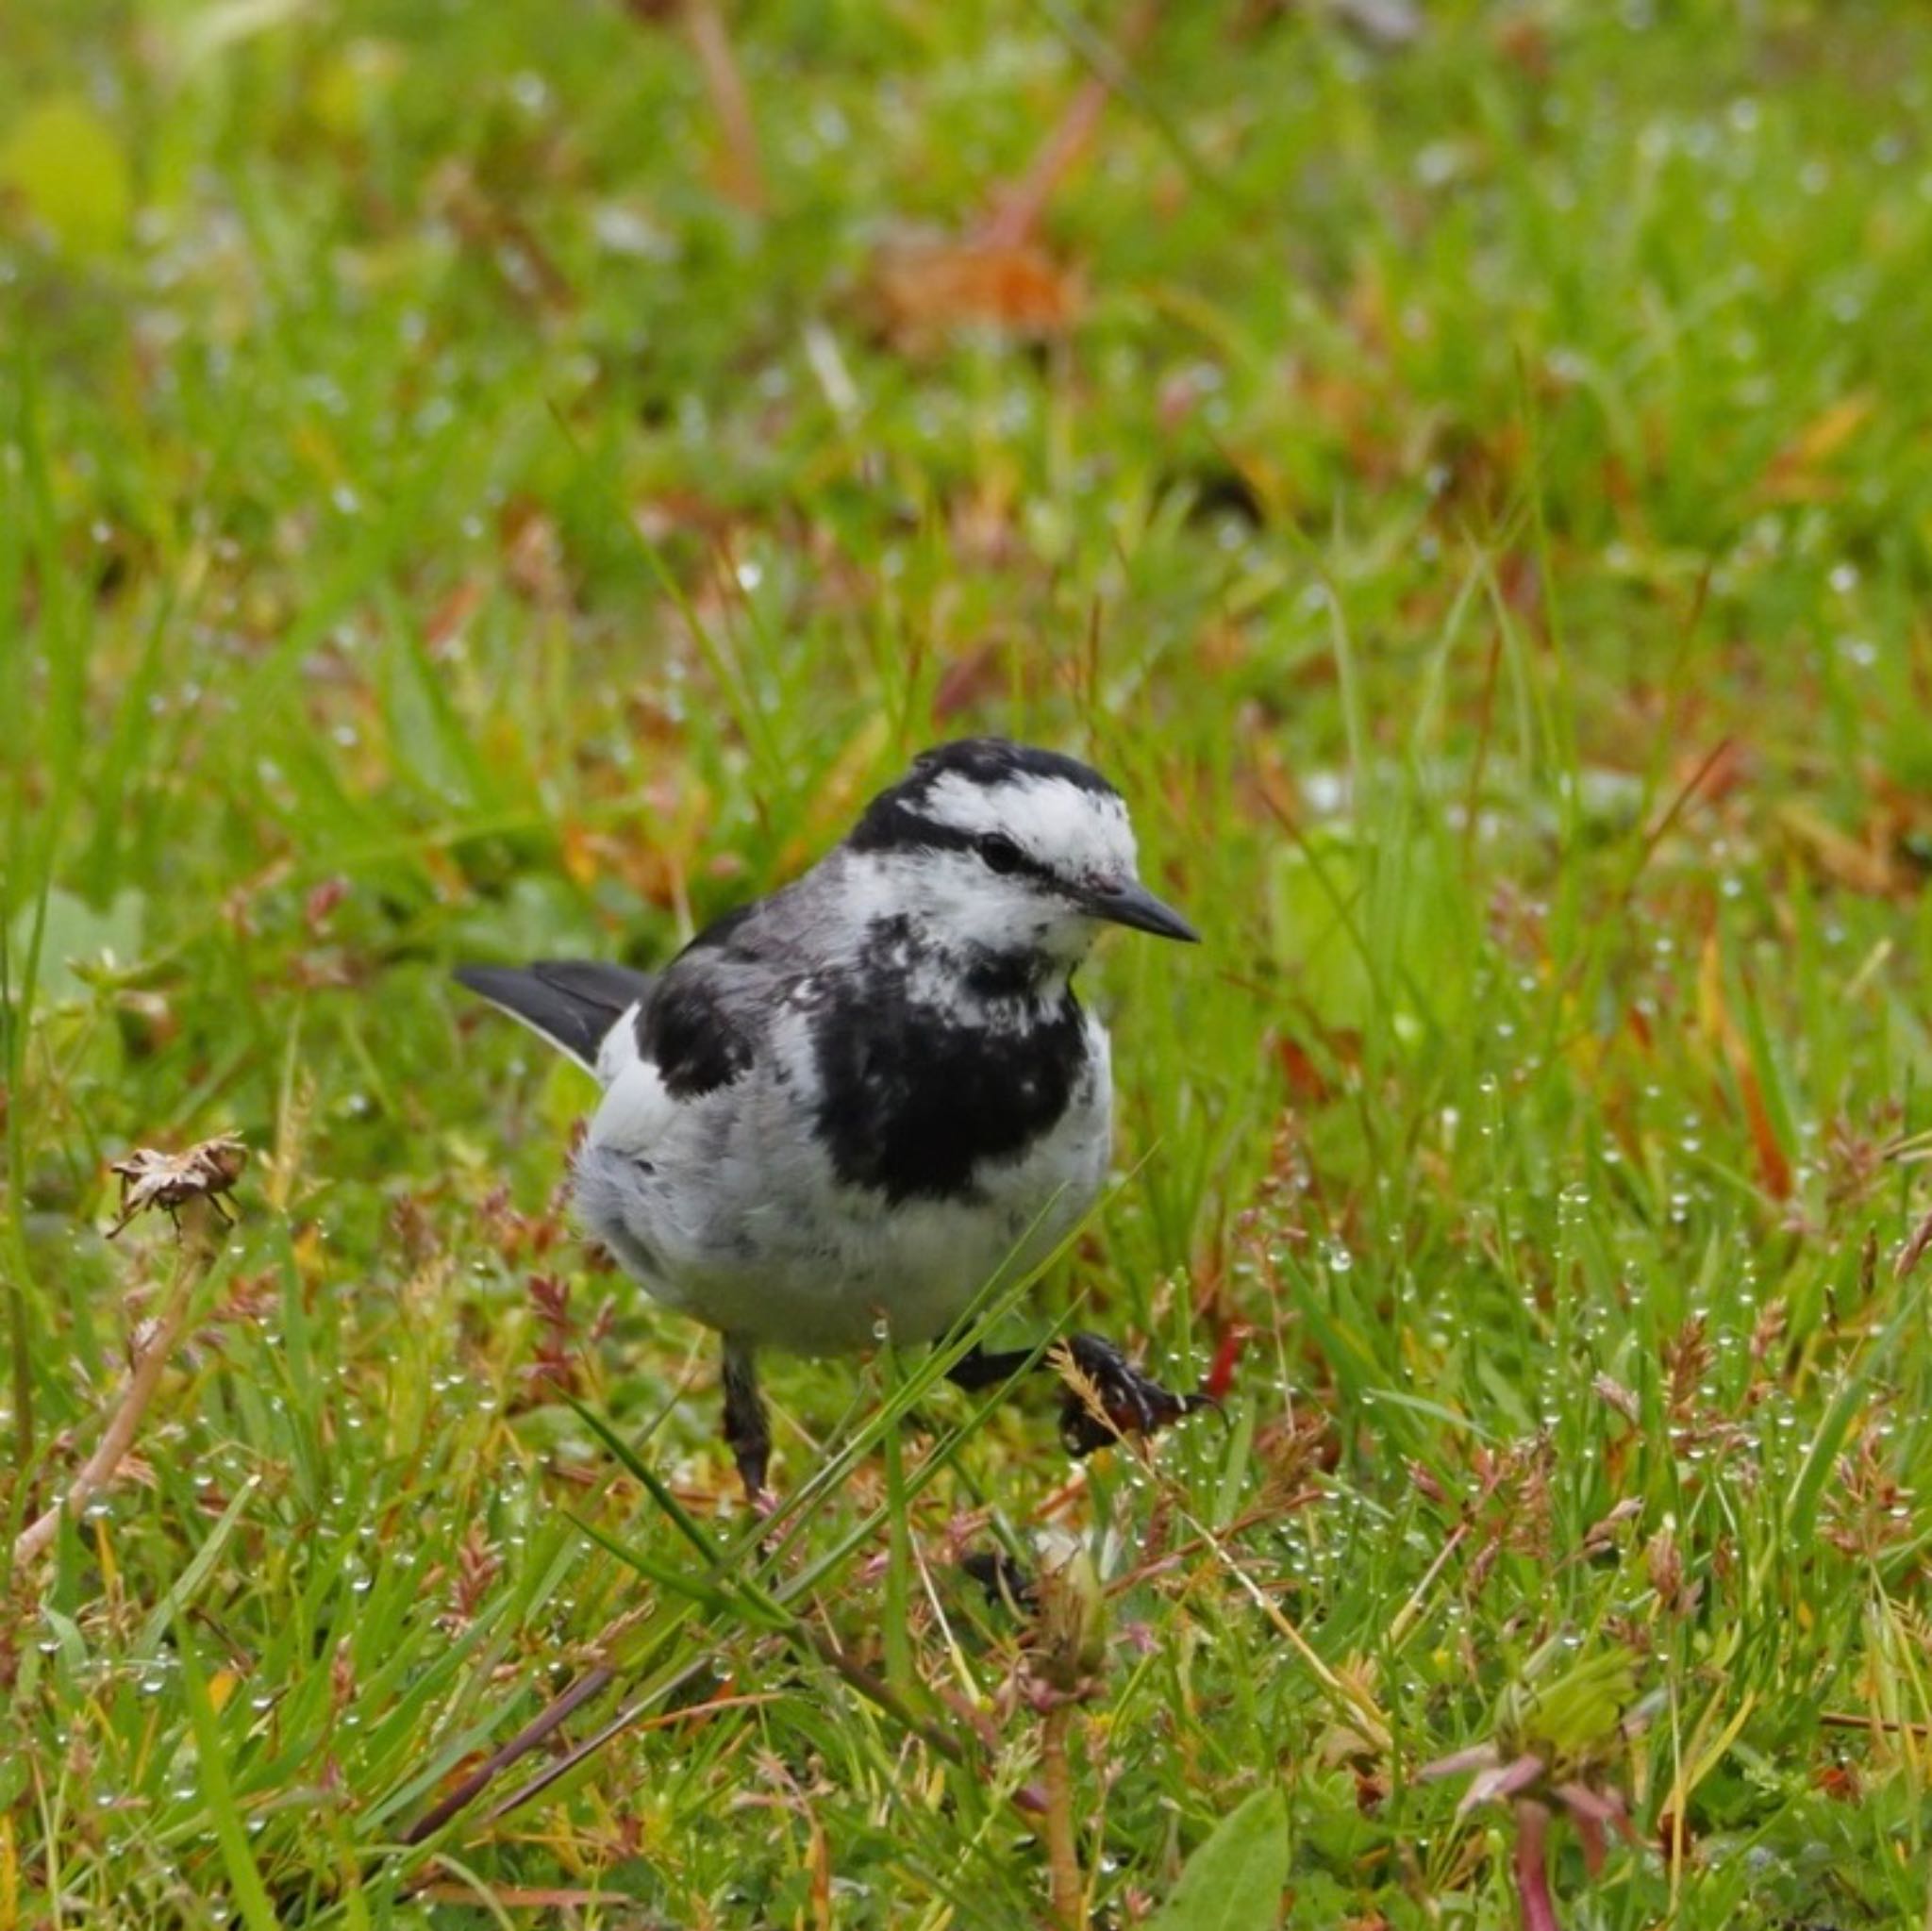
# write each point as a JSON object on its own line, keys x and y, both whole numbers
{"x": 151, "y": 1179}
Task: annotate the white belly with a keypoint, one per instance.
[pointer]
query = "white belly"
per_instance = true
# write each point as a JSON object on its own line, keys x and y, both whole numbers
{"x": 725, "y": 1209}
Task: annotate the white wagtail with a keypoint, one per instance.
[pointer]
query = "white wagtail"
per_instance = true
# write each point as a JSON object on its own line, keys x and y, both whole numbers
{"x": 843, "y": 1110}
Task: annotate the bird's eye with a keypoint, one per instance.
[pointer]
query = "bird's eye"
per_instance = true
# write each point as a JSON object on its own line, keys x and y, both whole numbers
{"x": 999, "y": 853}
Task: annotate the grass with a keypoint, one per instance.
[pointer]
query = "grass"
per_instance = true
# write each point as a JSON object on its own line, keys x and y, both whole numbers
{"x": 1472, "y": 494}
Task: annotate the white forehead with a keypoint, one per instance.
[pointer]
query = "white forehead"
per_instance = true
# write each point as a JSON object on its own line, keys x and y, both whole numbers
{"x": 1065, "y": 825}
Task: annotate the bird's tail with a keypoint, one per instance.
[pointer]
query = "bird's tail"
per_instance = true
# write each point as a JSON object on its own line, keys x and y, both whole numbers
{"x": 571, "y": 1003}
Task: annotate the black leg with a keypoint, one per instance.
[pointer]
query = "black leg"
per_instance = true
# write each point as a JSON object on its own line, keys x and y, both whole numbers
{"x": 1123, "y": 1401}
{"x": 977, "y": 1371}
{"x": 747, "y": 1427}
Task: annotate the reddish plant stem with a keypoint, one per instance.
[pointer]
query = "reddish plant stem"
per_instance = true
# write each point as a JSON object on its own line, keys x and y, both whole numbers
{"x": 1532, "y": 1867}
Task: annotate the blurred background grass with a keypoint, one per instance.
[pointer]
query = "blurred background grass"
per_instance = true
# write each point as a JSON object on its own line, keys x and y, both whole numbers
{"x": 482, "y": 481}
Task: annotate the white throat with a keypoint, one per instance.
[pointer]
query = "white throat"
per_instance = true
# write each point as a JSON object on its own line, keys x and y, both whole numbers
{"x": 944, "y": 919}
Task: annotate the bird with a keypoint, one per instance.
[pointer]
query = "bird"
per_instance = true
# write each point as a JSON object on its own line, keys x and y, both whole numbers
{"x": 843, "y": 1109}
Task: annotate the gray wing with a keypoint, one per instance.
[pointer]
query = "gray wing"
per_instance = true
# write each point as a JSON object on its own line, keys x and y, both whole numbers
{"x": 710, "y": 1014}
{"x": 571, "y": 1003}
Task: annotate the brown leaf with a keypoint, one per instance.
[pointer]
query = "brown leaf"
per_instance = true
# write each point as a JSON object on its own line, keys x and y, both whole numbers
{"x": 929, "y": 289}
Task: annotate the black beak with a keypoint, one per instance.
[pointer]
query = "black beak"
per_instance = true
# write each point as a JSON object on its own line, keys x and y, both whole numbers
{"x": 1134, "y": 905}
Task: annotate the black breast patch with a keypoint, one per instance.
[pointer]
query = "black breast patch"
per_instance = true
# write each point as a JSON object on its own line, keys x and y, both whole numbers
{"x": 912, "y": 1101}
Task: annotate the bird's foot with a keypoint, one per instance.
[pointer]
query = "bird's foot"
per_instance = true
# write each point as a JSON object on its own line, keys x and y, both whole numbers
{"x": 1107, "y": 1397}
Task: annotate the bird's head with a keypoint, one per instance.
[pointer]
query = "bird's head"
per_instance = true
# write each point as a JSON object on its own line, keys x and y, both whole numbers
{"x": 1001, "y": 855}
